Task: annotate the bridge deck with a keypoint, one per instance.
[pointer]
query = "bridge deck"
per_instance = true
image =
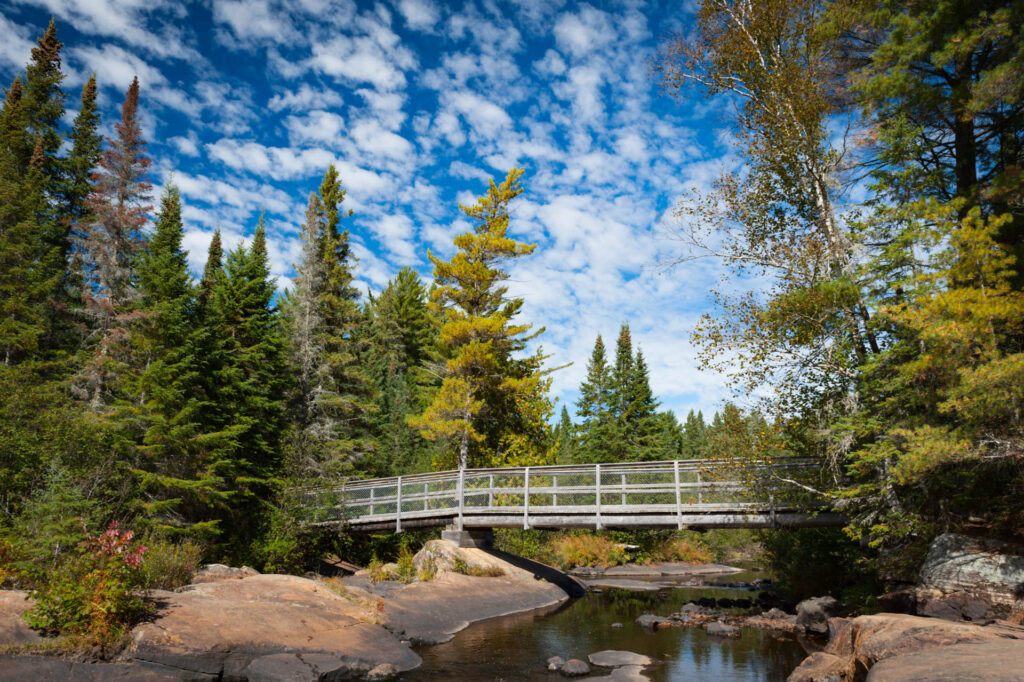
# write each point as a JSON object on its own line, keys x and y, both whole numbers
{"x": 679, "y": 494}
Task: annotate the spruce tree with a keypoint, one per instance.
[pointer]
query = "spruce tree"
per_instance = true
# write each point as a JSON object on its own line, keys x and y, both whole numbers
{"x": 694, "y": 438}
{"x": 594, "y": 408}
{"x": 112, "y": 243}
{"x": 565, "y": 452}
{"x": 401, "y": 335}
{"x": 250, "y": 394}
{"x": 491, "y": 407}
{"x": 180, "y": 491}
{"x": 86, "y": 151}
{"x": 332, "y": 403}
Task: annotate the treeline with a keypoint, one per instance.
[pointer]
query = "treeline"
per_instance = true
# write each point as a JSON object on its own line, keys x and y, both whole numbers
{"x": 618, "y": 419}
{"x": 189, "y": 409}
{"x": 880, "y": 209}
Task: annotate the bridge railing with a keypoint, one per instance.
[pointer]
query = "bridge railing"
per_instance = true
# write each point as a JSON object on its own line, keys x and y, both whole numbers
{"x": 669, "y": 487}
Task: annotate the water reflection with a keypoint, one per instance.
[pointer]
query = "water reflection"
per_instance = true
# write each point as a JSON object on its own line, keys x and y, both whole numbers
{"x": 517, "y": 647}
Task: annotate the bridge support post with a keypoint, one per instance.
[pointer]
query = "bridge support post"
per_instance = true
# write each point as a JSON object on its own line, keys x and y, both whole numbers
{"x": 478, "y": 538}
{"x": 597, "y": 500}
{"x": 526, "y": 499}
{"x": 462, "y": 496}
{"x": 679, "y": 498}
{"x": 398, "y": 506}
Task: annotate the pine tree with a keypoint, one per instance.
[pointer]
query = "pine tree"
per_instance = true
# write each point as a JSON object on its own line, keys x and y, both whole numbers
{"x": 596, "y": 430}
{"x": 641, "y": 426}
{"x": 112, "y": 245}
{"x": 491, "y": 407}
{"x": 44, "y": 103}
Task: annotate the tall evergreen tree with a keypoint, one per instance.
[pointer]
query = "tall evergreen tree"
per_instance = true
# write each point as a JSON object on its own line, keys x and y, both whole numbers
{"x": 491, "y": 407}
{"x": 401, "y": 335}
{"x": 596, "y": 430}
{"x": 85, "y": 154}
{"x": 251, "y": 390}
{"x": 694, "y": 443}
{"x": 180, "y": 491}
{"x": 333, "y": 399}
{"x": 566, "y": 451}
{"x": 113, "y": 243}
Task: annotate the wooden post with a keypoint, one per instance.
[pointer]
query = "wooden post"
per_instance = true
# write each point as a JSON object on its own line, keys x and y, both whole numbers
{"x": 526, "y": 498}
{"x": 623, "y": 489}
{"x": 597, "y": 500}
{"x": 554, "y": 495}
{"x": 461, "y": 490}
{"x": 426, "y": 491}
{"x": 490, "y": 491}
{"x": 679, "y": 498}
{"x": 371, "y": 501}
{"x": 398, "y": 509}
{"x": 700, "y": 489}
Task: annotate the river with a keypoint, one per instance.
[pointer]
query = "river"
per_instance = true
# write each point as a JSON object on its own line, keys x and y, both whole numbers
{"x": 517, "y": 647}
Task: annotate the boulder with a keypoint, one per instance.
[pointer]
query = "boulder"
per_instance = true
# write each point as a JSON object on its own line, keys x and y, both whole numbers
{"x": 912, "y": 648}
{"x": 555, "y": 663}
{"x": 956, "y": 606}
{"x": 384, "y": 671}
{"x": 221, "y": 628}
{"x": 212, "y": 573}
{"x": 13, "y": 629}
{"x": 813, "y": 614}
{"x": 978, "y": 569}
{"x": 719, "y": 629}
{"x": 819, "y": 667}
{"x": 574, "y": 667}
{"x": 611, "y": 658}
{"x": 617, "y": 626}
{"x": 775, "y": 614}
{"x": 651, "y": 622}
{"x": 998, "y": 660}
{"x": 1017, "y": 613}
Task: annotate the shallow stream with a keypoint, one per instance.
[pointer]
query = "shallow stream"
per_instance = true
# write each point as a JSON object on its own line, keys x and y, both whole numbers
{"x": 517, "y": 647}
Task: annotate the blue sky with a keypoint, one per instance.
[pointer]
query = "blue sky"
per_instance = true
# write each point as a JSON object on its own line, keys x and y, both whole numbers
{"x": 417, "y": 103}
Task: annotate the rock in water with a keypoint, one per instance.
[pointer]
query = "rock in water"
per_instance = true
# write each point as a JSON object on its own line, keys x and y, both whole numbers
{"x": 652, "y": 622}
{"x": 611, "y": 658}
{"x": 555, "y": 663}
{"x": 720, "y": 629}
{"x": 813, "y": 614}
{"x": 574, "y": 667}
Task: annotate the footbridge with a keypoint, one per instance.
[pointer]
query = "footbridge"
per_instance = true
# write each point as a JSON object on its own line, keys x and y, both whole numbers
{"x": 695, "y": 494}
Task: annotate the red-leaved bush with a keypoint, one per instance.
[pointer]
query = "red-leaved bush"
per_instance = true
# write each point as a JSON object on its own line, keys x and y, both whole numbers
{"x": 94, "y": 598}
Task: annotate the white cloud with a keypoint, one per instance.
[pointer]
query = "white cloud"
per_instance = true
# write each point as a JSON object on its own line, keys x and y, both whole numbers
{"x": 316, "y": 126}
{"x": 364, "y": 59}
{"x": 420, "y": 15}
{"x": 584, "y": 32}
{"x": 280, "y": 163}
{"x": 16, "y": 48}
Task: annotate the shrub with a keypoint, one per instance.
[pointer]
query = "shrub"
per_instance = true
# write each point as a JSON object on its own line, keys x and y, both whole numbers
{"x": 405, "y": 568}
{"x": 170, "y": 564}
{"x": 428, "y": 571}
{"x": 586, "y": 550}
{"x": 681, "y": 549}
{"x": 92, "y": 598}
{"x": 379, "y": 571}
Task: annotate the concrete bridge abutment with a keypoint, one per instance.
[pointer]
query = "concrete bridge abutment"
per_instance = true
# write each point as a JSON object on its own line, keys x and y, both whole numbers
{"x": 478, "y": 538}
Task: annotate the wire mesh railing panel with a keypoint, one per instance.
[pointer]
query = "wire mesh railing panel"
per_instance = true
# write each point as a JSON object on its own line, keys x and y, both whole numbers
{"x": 622, "y": 488}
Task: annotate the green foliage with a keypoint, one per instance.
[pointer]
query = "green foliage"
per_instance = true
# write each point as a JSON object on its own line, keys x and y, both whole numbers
{"x": 810, "y": 562}
{"x": 170, "y": 564}
{"x": 92, "y": 598}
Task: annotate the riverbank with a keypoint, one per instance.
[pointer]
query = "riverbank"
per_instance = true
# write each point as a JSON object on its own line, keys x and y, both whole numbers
{"x": 264, "y": 628}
